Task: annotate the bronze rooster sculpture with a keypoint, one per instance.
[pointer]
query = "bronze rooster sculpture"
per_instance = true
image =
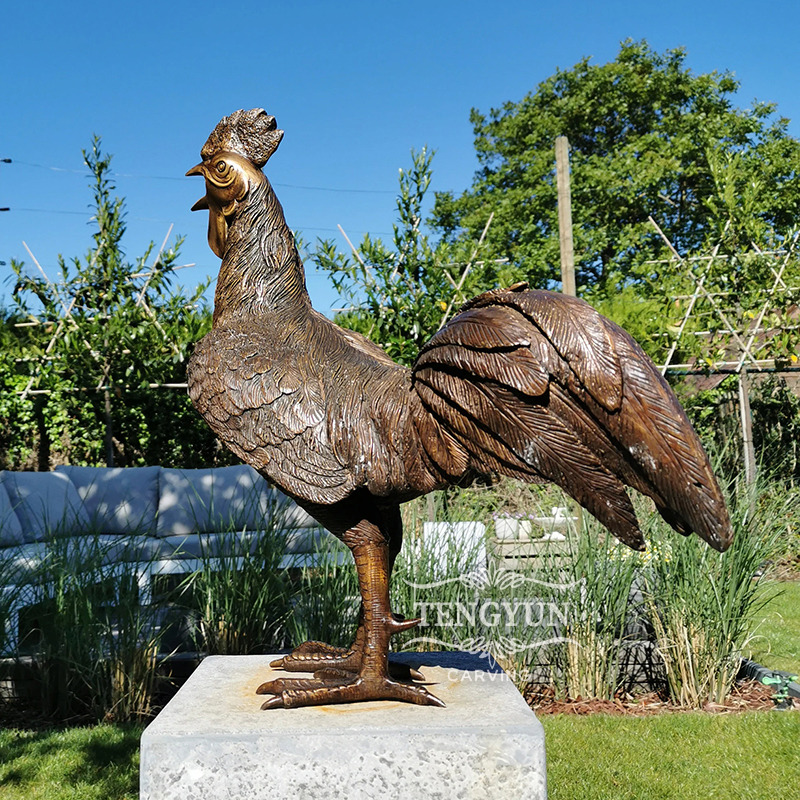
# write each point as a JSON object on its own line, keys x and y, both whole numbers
{"x": 530, "y": 384}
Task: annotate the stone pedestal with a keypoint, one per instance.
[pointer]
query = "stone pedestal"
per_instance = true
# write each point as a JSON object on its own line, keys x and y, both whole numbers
{"x": 212, "y": 741}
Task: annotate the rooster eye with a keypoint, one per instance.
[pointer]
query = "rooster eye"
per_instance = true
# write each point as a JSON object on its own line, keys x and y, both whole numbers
{"x": 221, "y": 166}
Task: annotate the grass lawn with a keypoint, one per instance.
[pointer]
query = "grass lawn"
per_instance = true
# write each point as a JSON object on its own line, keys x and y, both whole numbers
{"x": 99, "y": 763}
{"x": 777, "y": 641}
{"x": 686, "y": 755}
{"x": 746, "y": 756}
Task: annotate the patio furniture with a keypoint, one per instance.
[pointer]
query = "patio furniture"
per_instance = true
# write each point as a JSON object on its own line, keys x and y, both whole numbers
{"x": 160, "y": 520}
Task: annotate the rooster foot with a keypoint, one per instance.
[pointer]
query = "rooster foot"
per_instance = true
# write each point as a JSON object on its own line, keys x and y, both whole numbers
{"x": 321, "y": 679}
{"x": 318, "y": 656}
{"x": 298, "y": 692}
{"x": 313, "y": 656}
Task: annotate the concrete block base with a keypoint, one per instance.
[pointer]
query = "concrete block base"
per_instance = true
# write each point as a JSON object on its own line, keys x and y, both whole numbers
{"x": 212, "y": 741}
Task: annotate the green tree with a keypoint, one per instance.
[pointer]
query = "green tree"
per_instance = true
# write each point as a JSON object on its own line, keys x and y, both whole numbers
{"x": 400, "y": 295}
{"x": 107, "y": 332}
{"x": 648, "y": 138}
{"x": 17, "y": 417}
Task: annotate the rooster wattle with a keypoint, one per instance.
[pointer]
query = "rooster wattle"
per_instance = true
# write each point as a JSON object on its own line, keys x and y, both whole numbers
{"x": 530, "y": 384}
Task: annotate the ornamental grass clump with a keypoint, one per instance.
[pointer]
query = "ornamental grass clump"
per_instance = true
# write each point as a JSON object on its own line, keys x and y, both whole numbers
{"x": 560, "y": 616}
{"x": 440, "y": 577}
{"x": 703, "y": 605}
{"x": 9, "y": 591}
{"x": 325, "y": 604}
{"x": 92, "y": 645}
{"x": 594, "y": 588}
{"x": 240, "y": 594}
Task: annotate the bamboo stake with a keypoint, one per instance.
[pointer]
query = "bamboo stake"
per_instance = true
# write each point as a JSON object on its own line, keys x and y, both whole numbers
{"x": 153, "y": 268}
{"x": 772, "y": 269}
{"x": 73, "y": 390}
{"x": 778, "y": 252}
{"x": 686, "y": 316}
{"x": 62, "y": 321}
{"x": 693, "y": 300}
{"x": 720, "y": 313}
{"x": 765, "y": 307}
{"x": 466, "y": 270}
{"x": 745, "y": 415}
{"x": 352, "y": 247}
{"x": 44, "y": 275}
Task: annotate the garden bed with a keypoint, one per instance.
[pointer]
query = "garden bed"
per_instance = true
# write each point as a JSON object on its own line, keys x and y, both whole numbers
{"x": 746, "y": 696}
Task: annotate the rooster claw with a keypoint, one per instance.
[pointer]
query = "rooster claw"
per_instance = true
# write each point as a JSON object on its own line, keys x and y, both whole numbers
{"x": 326, "y": 678}
{"x": 360, "y": 689}
{"x": 273, "y": 702}
{"x": 300, "y": 662}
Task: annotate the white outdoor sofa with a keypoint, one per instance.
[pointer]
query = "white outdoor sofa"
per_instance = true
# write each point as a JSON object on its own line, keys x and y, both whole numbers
{"x": 169, "y": 521}
{"x": 156, "y": 518}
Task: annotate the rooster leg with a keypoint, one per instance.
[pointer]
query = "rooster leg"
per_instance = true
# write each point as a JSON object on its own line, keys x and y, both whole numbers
{"x": 313, "y": 656}
{"x": 372, "y": 681}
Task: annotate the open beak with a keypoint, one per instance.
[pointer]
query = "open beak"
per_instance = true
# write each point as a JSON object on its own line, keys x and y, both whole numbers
{"x": 217, "y": 224}
{"x": 202, "y": 203}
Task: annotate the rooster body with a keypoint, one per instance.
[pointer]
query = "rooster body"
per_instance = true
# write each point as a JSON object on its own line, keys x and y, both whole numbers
{"x": 529, "y": 384}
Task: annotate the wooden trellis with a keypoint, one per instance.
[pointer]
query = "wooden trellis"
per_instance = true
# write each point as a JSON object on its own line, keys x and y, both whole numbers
{"x": 746, "y": 341}
{"x": 66, "y": 320}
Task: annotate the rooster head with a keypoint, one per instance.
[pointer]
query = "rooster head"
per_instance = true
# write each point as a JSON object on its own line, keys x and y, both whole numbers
{"x": 233, "y": 156}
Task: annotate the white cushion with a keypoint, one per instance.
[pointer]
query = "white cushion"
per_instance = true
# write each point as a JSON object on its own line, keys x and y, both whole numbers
{"x": 47, "y": 504}
{"x": 120, "y": 500}
{"x": 10, "y": 527}
{"x": 213, "y": 500}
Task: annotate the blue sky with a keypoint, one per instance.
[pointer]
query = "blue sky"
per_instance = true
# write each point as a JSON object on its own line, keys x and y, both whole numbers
{"x": 354, "y": 85}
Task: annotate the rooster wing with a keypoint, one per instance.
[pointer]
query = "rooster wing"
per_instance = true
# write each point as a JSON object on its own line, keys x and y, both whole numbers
{"x": 268, "y": 410}
{"x": 539, "y": 386}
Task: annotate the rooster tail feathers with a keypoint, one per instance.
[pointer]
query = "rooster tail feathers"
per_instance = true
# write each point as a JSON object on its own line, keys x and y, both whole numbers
{"x": 668, "y": 452}
{"x": 529, "y": 443}
{"x": 540, "y": 386}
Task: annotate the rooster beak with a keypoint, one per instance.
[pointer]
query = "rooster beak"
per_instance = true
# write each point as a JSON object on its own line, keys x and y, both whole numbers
{"x": 202, "y": 203}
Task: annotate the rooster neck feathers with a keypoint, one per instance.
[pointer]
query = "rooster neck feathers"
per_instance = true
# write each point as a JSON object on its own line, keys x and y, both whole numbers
{"x": 261, "y": 275}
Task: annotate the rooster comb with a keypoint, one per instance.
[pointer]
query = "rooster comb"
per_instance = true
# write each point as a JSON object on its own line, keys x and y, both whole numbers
{"x": 252, "y": 134}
